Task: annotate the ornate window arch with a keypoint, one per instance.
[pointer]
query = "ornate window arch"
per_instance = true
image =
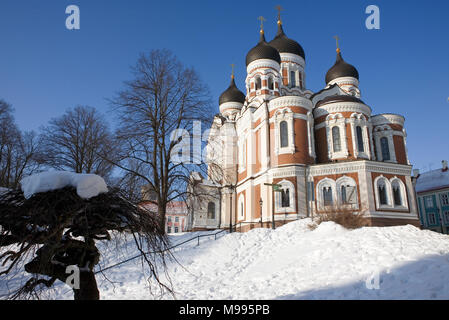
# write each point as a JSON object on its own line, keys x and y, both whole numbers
{"x": 332, "y": 121}
{"x": 284, "y": 123}
{"x": 384, "y": 131}
{"x": 285, "y": 199}
{"x": 398, "y": 193}
{"x": 382, "y": 192}
{"x": 258, "y": 82}
{"x": 360, "y": 127}
{"x": 270, "y": 83}
{"x": 347, "y": 191}
{"x": 326, "y": 191}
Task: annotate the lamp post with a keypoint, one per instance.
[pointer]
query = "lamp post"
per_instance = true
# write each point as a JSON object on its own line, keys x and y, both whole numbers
{"x": 261, "y": 203}
{"x": 275, "y": 187}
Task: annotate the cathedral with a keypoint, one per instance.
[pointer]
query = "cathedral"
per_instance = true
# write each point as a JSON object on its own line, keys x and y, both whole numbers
{"x": 281, "y": 152}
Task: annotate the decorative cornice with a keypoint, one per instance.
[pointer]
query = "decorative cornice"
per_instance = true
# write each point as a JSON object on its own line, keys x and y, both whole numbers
{"x": 387, "y": 118}
{"x": 262, "y": 63}
{"x": 290, "y": 101}
{"x": 342, "y": 107}
{"x": 365, "y": 165}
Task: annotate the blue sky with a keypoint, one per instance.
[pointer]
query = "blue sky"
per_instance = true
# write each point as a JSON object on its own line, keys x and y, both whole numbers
{"x": 403, "y": 67}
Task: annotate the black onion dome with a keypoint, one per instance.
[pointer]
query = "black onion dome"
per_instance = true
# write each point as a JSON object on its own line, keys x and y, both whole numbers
{"x": 232, "y": 94}
{"x": 283, "y": 44}
{"x": 262, "y": 51}
{"x": 341, "y": 69}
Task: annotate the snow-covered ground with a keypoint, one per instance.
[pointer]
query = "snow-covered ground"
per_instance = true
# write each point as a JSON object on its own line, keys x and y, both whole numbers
{"x": 293, "y": 262}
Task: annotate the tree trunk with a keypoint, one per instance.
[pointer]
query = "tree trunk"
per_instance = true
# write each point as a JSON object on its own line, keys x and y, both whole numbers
{"x": 88, "y": 287}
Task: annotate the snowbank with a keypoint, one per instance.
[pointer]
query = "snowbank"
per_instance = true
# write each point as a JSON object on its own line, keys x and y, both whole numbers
{"x": 87, "y": 185}
{"x": 291, "y": 262}
{"x": 294, "y": 262}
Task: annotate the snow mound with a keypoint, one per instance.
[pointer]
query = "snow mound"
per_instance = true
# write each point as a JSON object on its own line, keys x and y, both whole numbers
{"x": 87, "y": 185}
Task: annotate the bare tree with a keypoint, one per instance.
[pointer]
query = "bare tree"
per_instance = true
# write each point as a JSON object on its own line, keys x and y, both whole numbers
{"x": 19, "y": 151}
{"x": 54, "y": 230}
{"x": 163, "y": 98}
{"x": 75, "y": 141}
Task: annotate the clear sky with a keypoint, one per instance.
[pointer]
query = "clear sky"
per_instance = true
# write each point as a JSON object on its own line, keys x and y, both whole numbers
{"x": 403, "y": 67}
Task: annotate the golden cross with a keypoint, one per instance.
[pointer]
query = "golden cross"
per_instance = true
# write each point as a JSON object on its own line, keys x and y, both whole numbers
{"x": 262, "y": 19}
{"x": 279, "y": 9}
{"x": 232, "y": 75}
{"x": 337, "y": 38}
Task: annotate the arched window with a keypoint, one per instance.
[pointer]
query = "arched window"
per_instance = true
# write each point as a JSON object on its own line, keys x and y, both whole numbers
{"x": 396, "y": 193}
{"x": 241, "y": 207}
{"x": 285, "y": 198}
{"x": 385, "y": 148}
{"x": 383, "y": 195}
{"x": 301, "y": 83}
{"x": 348, "y": 190}
{"x": 270, "y": 83}
{"x": 258, "y": 83}
{"x": 327, "y": 196}
{"x": 284, "y": 134}
{"x": 292, "y": 79}
{"x": 360, "y": 139}
{"x": 336, "y": 139}
{"x": 211, "y": 210}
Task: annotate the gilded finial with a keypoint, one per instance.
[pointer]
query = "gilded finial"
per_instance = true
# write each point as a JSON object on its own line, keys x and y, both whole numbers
{"x": 337, "y": 38}
{"x": 232, "y": 74}
{"x": 262, "y": 19}
{"x": 279, "y": 9}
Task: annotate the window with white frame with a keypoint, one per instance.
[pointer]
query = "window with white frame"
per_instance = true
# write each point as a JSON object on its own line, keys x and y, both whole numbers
{"x": 347, "y": 191}
{"x": 385, "y": 149}
{"x": 336, "y": 140}
{"x": 360, "y": 146}
{"x": 285, "y": 198}
{"x": 327, "y": 196}
{"x": 258, "y": 83}
{"x": 292, "y": 79}
{"x": 284, "y": 123}
{"x": 390, "y": 193}
{"x": 383, "y": 137}
{"x": 283, "y": 128}
{"x": 270, "y": 83}
{"x": 360, "y": 138}
{"x": 397, "y": 197}
{"x": 336, "y": 136}
{"x": 326, "y": 191}
{"x": 382, "y": 192}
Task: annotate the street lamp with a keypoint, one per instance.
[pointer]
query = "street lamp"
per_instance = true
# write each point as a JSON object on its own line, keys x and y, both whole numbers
{"x": 275, "y": 188}
{"x": 261, "y": 203}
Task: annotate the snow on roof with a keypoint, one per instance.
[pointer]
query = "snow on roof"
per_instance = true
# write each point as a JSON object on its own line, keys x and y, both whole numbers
{"x": 432, "y": 180}
{"x": 87, "y": 185}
